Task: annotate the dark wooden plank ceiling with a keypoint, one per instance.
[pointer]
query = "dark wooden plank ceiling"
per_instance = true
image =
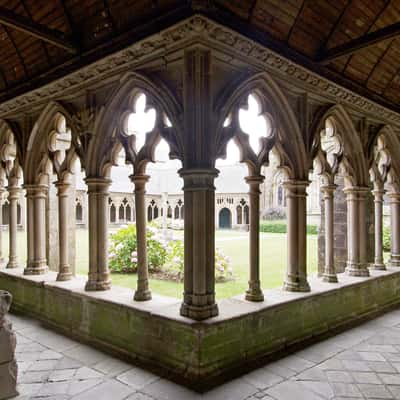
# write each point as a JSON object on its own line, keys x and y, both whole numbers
{"x": 309, "y": 31}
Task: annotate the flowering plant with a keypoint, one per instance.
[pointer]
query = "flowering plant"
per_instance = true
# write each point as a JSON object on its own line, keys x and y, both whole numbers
{"x": 165, "y": 256}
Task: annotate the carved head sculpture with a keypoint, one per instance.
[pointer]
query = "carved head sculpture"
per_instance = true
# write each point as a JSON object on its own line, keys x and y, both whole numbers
{"x": 5, "y": 303}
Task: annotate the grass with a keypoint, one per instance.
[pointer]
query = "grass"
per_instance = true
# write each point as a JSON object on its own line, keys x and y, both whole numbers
{"x": 234, "y": 244}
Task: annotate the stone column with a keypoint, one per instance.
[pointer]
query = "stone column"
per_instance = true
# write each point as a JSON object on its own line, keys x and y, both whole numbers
{"x": 329, "y": 274}
{"x": 13, "y": 196}
{"x": 199, "y": 276}
{"x": 99, "y": 274}
{"x": 357, "y": 232}
{"x": 394, "y": 228}
{"x": 64, "y": 269}
{"x": 296, "y": 277}
{"x": 142, "y": 292}
{"x": 30, "y": 235}
{"x": 8, "y": 364}
{"x": 2, "y": 190}
{"x": 39, "y": 264}
{"x": 378, "y": 203}
{"x": 254, "y": 292}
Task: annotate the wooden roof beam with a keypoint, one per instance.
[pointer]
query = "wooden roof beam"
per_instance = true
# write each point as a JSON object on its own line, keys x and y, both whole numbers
{"x": 39, "y": 31}
{"x": 360, "y": 43}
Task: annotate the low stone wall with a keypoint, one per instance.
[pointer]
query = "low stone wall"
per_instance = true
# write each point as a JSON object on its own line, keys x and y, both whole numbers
{"x": 198, "y": 352}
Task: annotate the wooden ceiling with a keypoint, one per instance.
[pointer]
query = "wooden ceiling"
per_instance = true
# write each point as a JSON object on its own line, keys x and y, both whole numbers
{"x": 355, "y": 42}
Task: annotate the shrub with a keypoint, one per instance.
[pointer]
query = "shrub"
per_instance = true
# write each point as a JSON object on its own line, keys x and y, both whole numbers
{"x": 273, "y": 213}
{"x": 123, "y": 250}
{"x": 386, "y": 238}
{"x": 165, "y": 257}
{"x": 273, "y": 227}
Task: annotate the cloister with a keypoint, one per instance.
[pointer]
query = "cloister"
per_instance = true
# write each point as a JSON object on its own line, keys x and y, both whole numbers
{"x": 190, "y": 84}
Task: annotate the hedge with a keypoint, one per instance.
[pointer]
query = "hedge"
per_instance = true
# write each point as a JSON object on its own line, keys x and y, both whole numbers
{"x": 281, "y": 228}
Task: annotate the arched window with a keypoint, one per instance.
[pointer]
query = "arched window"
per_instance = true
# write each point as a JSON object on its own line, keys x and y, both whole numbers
{"x": 113, "y": 213}
{"x": 176, "y": 212}
{"x": 169, "y": 212}
{"x": 19, "y": 219}
{"x": 121, "y": 213}
{"x": 239, "y": 215}
{"x": 128, "y": 213}
{"x": 78, "y": 212}
{"x": 149, "y": 214}
{"x": 5, "y": 213}
{"x": 155, "y": 212}
{"x": 246, "y": 214}
{"x": 280, "y": 196}
{"x": 183, "y": 211}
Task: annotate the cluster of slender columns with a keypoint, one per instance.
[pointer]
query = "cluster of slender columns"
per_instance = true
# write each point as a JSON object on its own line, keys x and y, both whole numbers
{"x": 13, "y": 196}
{"x": 296, "y": 200}
{"x": 99, "y": 274}
{"x": 36, "y": 214}
{"x": 357, "y": 263}
{"x": 394, "y": 198}
{"x": 378, "y": 222}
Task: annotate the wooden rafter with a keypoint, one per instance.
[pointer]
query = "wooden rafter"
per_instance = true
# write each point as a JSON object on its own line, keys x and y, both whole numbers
{"x": 42, "y": 32}
{"x": 360, "y": 43}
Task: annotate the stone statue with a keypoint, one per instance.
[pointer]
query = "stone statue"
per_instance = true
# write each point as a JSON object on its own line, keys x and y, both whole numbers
{"x": 8, "y": 364}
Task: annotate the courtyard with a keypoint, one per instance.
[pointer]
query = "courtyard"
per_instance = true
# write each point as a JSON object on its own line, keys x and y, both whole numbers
{"x": 234, "y": 244}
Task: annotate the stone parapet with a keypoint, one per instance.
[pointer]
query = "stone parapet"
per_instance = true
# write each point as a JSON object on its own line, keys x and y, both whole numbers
{"x": 200, "y": 352}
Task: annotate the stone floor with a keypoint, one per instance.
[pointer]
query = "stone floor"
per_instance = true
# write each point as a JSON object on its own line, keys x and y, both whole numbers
{"x": 362, "y": 363}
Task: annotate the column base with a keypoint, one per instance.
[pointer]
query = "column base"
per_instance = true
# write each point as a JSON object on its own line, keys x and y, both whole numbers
{"x": 142, "y": 295}
{"x": 254, "y": 294}
{"x": 64, "y": 276}
{"x": 199, "y": 313}
{"x": 378, "y": 266}
{"x": 12, "y": 264}
{"x": 394, "y": 260}
{"x": 296, "y": 285}
{"x": 356, "y": 269}
{"x": 330, "y": 278}
{"x": 92, "y": 286}
{"x": 33, "y": 270}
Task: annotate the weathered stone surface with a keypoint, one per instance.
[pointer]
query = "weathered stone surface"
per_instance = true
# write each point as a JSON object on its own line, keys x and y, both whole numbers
{"x": 8, "y": 364}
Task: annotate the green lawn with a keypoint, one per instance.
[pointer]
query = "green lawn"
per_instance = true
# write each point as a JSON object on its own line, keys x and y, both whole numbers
{"x": 234, "y": 244}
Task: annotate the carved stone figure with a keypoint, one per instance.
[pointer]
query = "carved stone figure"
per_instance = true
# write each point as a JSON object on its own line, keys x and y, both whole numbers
{"x": 8, "y": 364}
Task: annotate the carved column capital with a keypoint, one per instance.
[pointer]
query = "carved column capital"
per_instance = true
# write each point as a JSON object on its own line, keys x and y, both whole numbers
{"x": 198, "y": 178}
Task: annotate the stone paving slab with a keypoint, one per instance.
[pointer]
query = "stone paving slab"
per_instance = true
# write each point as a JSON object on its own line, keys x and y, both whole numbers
{"x": 362, "y": 363}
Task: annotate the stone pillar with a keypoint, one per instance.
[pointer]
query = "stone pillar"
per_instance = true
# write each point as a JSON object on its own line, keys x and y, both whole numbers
{"x": 394, "y": 198}
{"x": 64, "y": 270}
{"x": 199, "y": 276}
{"x": 39, "y": 263}
{"x": 30, "y": 235}
{"x": 99, "y": 274}
{"x": 254, "y": 292}
{"x": 296, "y": 276}
{"x": 13, "y": 196}
{"x": 329, "y": 274}
{"x": 142, "y": 292}
{"x": 2, "y": 190}
{"x": 378, "y": 202}
{"x": 8, "y": 364}
{"x": 357, "y": 264}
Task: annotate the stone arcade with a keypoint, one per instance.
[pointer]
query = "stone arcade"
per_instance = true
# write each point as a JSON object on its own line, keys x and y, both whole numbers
{"x": 198, "y": 76}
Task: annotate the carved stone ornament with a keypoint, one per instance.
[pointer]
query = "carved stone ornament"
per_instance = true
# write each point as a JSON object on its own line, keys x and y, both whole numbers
{"x": 8, "y": 364}
{"x": 217, "y": 36}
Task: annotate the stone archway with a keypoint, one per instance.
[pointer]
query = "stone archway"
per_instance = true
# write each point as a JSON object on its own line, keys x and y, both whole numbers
{"x": 225, "y": 219}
